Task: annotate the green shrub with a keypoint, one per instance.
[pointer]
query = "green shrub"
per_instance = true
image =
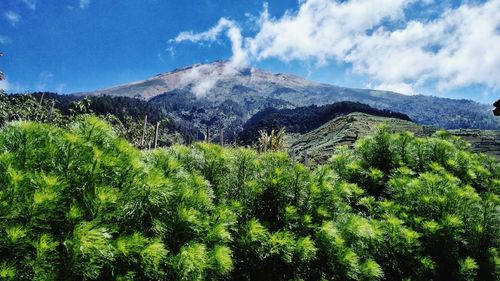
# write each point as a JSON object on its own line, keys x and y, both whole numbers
{"x": 83, "y": 204}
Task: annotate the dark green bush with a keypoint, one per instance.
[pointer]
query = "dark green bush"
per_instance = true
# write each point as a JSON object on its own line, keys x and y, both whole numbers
{"x": 83, "y": 204}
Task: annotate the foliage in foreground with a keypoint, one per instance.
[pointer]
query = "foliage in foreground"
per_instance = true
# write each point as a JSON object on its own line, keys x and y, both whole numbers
{"x": 83, "y": 204}
{"x": 125, "y": 114}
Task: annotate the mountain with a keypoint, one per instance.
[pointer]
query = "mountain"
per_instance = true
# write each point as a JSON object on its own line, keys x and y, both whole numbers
{"x": 226, "y": 81}
{"x": 220, "y": 96}
{"x": 321, "y": 142}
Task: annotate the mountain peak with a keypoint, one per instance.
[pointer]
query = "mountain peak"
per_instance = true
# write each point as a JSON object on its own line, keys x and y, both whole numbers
{"x": 206, "y": 79}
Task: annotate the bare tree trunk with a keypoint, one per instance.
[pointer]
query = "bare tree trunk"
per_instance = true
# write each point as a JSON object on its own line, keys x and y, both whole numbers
{"x": 144, "y": 130}
{"x": 49, "y": 118}
{"x": 306, "y": 158}
{"x": 41, "y": 99}
{"x": 222, "y": 137}
{"x": 207, "y": 136}
{"x": 156, "y": 134}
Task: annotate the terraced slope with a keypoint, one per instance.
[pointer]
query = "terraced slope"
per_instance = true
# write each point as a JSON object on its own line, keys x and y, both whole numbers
{"x": 346, "y": 130}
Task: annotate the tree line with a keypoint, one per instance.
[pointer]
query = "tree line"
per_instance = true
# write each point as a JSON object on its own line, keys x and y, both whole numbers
{"x": 136, "y": 120}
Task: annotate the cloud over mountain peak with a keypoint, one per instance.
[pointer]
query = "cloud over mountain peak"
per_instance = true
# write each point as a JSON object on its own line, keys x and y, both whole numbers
{"x": 451, "y": 49}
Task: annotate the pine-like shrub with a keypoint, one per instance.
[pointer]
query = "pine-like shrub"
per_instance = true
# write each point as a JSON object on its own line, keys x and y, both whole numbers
{"x": 81, "y": 203}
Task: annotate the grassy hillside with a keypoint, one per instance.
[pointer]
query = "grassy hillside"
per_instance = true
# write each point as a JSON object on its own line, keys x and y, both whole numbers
{"x": 346, "y": 130}
{"x": 83, "y": 204}
{"x": 321, "y": 143}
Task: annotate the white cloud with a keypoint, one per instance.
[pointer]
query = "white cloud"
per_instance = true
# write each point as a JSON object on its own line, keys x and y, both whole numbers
{"x": 84, "y": 4}
{"x": 44, "y": 78}
{"x": 31, "y": 4}
{"x": 12, "y": 17}
{"x": 320, "y": 30}
{"x": 45, "y": 75}
{"x": 455, "y": 50}
{"x": 458, "y": 48}
{"x": 4, "y": 85}
{"x": 4, "y": 40}
{"x": 12, "y": 87}
{"x": 233, "y": 32}
{"x": 167, "y": 53}
{"x": 402, "y": 88}
{"x": 61, "y": 88}
{"x": 202, "y": 79}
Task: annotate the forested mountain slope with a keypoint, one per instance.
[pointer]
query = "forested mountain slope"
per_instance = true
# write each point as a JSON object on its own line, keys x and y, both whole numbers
{"x": 224, "y": 97}
{"x": 304, "y": 119}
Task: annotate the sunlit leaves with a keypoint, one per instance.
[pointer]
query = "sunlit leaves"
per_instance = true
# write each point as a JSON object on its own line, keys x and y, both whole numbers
{"x": 255, "y": 237}
{"x": 153, "y": 255}
{"x": 16, "y": 234}
{"x": 7, "y": 271}
{"x": 222, "y": 260}
{"x": 91, "y": 248}
{"x": 46, "y": 263}
{"x": 306, "y": 249}
{"x": 468, "y": 268}
{"x": 371, "y": 270}
{"x": 282, "y": 243}
{"x": 191, "y": 262}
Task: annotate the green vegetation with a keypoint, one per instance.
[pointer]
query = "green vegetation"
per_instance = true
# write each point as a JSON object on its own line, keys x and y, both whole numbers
{"x": 273, "y": 141}
{"x": 82, "y": 203}
{"x": 125, "y": 114}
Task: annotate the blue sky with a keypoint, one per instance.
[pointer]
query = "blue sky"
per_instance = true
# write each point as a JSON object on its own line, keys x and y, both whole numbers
{"x": 443, "y": 48}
